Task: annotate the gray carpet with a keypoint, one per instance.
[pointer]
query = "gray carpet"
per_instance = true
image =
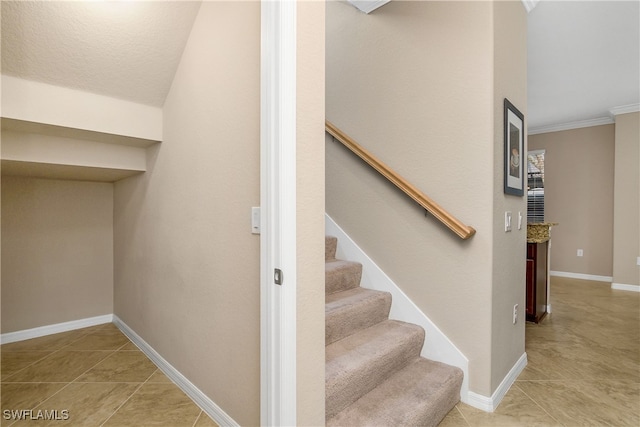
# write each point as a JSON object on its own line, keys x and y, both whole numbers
{"x": 374, "y": 375}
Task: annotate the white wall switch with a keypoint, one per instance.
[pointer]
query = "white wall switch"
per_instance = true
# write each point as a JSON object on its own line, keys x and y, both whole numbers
{"x": 519, "y": 220}
{"x": 580, "y": 252}
{"x": 255, "y": 220}
{"x": 638, "y": 260}
{"x": 507, "y": 221}
{"x": 515, "y": 314}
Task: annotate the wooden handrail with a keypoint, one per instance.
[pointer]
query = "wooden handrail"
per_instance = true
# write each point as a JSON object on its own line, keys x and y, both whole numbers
{"x": 463, "y": 231}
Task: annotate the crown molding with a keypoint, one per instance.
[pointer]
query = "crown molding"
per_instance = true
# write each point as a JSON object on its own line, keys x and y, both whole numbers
{"x": 624, "y": 109}
{"x": 368, "y": 6}
{"x": 571, "y": 125}
{"x": 530, "y": 4}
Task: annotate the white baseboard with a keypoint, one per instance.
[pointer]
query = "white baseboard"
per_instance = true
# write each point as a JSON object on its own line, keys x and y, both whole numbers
{"x": 207, "y": 405}
{"x": 582, "y": 276}
{"x": 437, "y": 347}
{"x": 54, "y": 329}
{"x": 490, "y": 404}
{"x": 625, "y": 287}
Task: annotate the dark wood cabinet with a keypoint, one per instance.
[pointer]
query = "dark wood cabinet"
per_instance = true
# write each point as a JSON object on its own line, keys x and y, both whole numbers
{"x": 536, "y": 281}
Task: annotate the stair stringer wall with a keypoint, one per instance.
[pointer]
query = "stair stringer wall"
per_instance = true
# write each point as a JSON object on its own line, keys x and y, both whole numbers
{"x": 436, "y": 346}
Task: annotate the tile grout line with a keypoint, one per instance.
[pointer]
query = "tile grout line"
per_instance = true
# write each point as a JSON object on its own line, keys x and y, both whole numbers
{"x": 71, "y": 382}
{"x": 462, "y": 415}
{"x": 39, "y": 360}
{"x": 129, "y": 398}
{"x": 84, "y": 335}
{"x": 537, "y": 404}
{"x": 197, "y": 418}
{"x": 20, "y": 370}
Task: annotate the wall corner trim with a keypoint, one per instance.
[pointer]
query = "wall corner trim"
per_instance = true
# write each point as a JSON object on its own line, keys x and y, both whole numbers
{"x": 624, "y": 109}
{"x": 204, "y": 402}
{"x": 56, "y": 328}
{"x": 625, "y": 287}
{"x": 490, "y": 404}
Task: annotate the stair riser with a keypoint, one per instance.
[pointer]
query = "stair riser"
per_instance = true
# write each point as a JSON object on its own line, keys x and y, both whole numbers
{"x": 330, "y": 246}
{"x": 347, "y": 320}
{"x": 350, "y": 384}
{"x": 341, "y": 276}
{"x": 422, "y": 395}
{"x": 374, "y": 375}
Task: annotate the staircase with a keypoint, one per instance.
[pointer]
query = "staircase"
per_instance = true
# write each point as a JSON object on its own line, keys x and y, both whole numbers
{"x": 374, "y": 375}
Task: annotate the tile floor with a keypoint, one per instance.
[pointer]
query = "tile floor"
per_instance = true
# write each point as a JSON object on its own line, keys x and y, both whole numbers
{"x": 95, "y": 377}
{"x": 583, "y": 364}
{"x": 583, "y": 370}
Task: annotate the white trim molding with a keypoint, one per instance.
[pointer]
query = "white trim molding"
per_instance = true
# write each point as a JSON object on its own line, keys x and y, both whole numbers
{"x": 529, "y": 5}
{"x": 278, "y": 352}
{"x": 57, "y": 328}
{"x": 368, "y": 6}
{"x": 625, "y": 287}
{"x": 624, "y": 109}
{"x": 201, "y": 399}
{"x": 571, "y": 125}
{"x": 437, "y": 347}
{"x": 607, "y": 279}
{"x": 490, "y": 404}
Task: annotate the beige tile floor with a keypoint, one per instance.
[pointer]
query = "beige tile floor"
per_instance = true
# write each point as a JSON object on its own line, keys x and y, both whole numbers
{"x": 97, "y": 376}
{"x": 583, "y": 370}
{"x": 583, "y": 364}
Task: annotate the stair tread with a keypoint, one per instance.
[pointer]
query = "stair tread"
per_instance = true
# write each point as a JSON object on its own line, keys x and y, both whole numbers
{"x": 370, "y": 341}
{"x": 336, "y": 263}
{"x": 421, "y": 394}
{"x": 342, "y": 299}
{"x": 352, "y": 310}
{"x": 358, "y": 363}
{"x": 374, "y": 375}
{"x": 330, "y": 245}
{"x": 341, "y": 275}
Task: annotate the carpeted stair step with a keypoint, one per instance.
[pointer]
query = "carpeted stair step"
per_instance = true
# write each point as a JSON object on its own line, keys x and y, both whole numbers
{"x": 349, "y": 311}
{"x": 341, "y": 275}
{"x": 421, "y": 394}
{"x": 330, "y": 246}
{"x": 358, "y": 363}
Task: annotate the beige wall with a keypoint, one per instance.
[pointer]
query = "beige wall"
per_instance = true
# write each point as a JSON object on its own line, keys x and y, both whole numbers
{"x": 413, "y": 82}
{"x": 626, "y": 220}
{"x": 509, "y": 256}
{"x": 57, "y": 251}
{"x": 579, "y": 176}
{"x": 0, "y": 193}
{"x": 187, "y": 266}
{"x": 310, "y": 213}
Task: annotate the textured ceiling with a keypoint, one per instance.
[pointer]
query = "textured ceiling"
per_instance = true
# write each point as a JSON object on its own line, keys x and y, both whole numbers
{"x": 583, "y": 60}
{"x": 584, "y": 56}
{"x": 124, "y": 49}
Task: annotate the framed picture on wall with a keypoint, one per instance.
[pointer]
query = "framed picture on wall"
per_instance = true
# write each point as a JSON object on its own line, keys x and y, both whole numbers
{"x": 514, "y": 159}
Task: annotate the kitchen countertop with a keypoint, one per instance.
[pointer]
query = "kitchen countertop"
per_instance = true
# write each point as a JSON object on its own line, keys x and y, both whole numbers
{"x": 538, "y": 232}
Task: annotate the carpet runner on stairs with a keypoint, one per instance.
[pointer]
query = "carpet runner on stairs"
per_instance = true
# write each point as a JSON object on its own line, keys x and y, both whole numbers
{"x": 374, "y": 375}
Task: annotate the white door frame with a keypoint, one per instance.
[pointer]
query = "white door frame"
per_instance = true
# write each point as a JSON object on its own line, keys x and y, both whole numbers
{"x": 278, "y": 213}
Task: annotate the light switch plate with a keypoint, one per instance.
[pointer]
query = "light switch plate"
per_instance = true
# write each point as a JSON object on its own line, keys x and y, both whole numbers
{"x": 507, "y": 221}
{"x": 519, "y": 220}
{"x": 255, "y": 220}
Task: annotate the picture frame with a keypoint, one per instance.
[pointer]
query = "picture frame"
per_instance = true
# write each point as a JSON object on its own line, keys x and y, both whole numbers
{"x": 514, "y": 156}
